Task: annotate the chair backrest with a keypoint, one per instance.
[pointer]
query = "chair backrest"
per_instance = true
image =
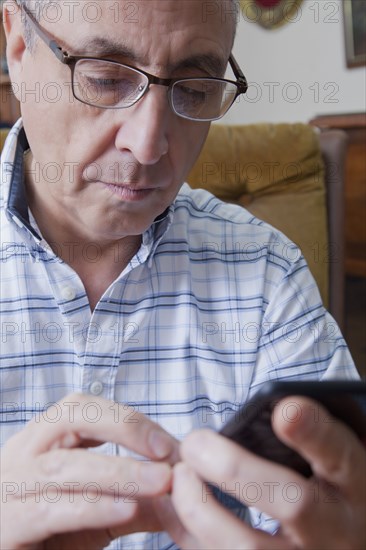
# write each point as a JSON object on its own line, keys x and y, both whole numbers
{"x": 291, "y": 176}
{"x": 333, "y": 145}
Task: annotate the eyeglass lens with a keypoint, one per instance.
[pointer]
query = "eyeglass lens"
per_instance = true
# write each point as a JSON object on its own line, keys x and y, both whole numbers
{"x": 107, "y": 84}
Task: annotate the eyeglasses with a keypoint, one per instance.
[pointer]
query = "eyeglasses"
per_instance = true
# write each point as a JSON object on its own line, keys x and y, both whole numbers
{"x": 111, "y": 85}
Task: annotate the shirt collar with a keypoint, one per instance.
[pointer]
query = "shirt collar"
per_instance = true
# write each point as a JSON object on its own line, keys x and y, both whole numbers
{"x": 12, "y": 161}
{"x": 15, "y": 198}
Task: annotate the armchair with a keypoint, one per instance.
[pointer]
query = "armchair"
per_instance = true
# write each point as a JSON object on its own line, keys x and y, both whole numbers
{"x": 291, "y": 176}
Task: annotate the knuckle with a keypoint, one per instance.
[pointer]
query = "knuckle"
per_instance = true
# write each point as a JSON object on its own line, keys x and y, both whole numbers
{"x": 51, "y": 463}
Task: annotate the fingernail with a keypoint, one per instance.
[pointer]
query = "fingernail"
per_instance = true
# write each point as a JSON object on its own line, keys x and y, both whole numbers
{"x": 160, "y": 444}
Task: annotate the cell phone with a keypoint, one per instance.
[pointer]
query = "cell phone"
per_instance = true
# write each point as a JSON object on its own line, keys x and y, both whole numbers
{"x": 251, "y": 426}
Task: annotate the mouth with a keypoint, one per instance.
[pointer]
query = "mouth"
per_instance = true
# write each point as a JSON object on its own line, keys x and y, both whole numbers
{"x": 128, "y": 193}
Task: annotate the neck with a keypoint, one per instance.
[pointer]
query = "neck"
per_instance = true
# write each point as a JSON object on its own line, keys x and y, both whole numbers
{"x": 97, "y": 264}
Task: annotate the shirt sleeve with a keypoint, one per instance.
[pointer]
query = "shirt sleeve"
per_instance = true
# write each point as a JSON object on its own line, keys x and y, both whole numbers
{"x": 300, "y": 340}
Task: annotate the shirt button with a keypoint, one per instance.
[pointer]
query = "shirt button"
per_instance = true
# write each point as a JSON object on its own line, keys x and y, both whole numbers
{"x": 96, "y": 387}
{"x": 68, "y": 293}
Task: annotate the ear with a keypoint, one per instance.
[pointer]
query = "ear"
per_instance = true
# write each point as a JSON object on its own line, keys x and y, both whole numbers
{"x": 15, "y": 44}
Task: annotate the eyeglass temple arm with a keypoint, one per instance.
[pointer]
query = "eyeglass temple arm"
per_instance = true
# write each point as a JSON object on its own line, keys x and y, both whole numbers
{"x": 64, "y": 58}
{"x": 242, "y": 81}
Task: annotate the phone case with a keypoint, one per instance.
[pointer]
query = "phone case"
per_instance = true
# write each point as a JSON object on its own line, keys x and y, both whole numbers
{"x": 251, "y": 426}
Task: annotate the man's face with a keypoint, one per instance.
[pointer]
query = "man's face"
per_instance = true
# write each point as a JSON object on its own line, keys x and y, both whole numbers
{"x": 108, "y": 173}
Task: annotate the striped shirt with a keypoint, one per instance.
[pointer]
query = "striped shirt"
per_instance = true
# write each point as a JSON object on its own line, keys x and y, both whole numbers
{"x": 214, "y": 303}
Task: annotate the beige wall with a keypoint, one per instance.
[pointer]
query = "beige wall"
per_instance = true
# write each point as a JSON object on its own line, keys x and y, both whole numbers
{"x": 299, "y": 70}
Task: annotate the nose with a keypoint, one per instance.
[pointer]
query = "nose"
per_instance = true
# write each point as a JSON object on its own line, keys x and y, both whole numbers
{"x": 144, "y": 127}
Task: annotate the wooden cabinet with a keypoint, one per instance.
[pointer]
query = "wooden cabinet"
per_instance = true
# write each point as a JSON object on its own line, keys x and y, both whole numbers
{"x": 9, "y": 106}
{"x": 355, "y": 187}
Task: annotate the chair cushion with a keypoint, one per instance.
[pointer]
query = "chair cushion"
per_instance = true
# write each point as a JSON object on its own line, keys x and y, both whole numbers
{"x": 276, "y": 171}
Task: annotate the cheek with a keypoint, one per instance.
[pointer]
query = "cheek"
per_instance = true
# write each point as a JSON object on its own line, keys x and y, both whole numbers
{"x": 70, "y": 145}
{"x": 193, "y": 139}
{"x": 45, "y": 122}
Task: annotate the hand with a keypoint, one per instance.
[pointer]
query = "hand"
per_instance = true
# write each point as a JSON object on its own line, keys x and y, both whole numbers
{"x": 326, "y": 511}
{"x": 55, "y": 490}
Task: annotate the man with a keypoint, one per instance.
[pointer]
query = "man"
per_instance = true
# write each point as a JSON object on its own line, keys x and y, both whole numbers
{"x": 107, "y": 291}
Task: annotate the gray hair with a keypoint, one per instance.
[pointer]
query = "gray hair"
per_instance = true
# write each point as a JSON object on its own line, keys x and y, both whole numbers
{"x": 37, "y": 5}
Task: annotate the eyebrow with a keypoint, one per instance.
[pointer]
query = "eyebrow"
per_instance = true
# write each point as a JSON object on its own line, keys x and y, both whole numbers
{"x": 211, "y": 63}
{"x": 104, "y": 47}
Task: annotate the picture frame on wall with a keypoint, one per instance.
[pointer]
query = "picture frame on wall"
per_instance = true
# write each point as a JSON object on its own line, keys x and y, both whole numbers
{"x": 354, "y": 16}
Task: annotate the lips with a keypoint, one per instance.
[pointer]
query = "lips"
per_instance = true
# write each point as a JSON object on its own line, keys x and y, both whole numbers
{"x": 126, "y": 185}
{"x": 128, "y": 192}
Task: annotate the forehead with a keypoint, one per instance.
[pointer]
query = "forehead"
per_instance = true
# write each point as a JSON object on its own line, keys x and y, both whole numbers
{"x": 158, "y": 32}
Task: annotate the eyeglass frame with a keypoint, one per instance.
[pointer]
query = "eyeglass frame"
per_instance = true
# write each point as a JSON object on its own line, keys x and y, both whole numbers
{"x": 71, "y": 60}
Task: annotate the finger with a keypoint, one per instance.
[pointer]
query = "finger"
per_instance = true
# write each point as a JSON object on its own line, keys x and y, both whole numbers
{"x": 145, "y": 519}
{"x": 66, "y": 513}
{"x": 78, "y": 469}
{"x": 79, "y": 417}
{"x": 172, "y": 525}
{"x": 334, "y": 451}
{"x": 211, "y": 524}
{"x": 258, "y": 482}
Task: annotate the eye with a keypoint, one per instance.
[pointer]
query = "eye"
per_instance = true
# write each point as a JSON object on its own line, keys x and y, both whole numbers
{"x": 184, "y": 92}
{"x": 106, "y": 81}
